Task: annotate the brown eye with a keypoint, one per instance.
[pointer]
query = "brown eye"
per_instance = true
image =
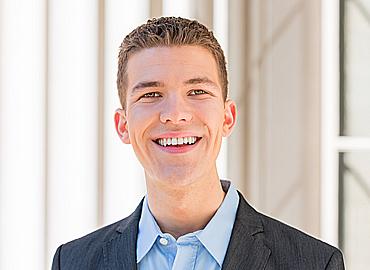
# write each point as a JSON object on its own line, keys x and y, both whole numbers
{"x": 151, "y": 95}
{"x": 197, "y": 92}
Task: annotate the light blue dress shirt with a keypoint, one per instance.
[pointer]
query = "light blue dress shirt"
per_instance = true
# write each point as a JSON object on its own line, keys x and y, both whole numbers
{"x": 203, "y": 249}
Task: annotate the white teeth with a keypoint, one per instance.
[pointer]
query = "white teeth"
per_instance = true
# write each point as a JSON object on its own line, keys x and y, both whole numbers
{"x": 177, "y": 141}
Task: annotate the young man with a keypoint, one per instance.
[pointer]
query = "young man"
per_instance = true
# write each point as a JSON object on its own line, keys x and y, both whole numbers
{"x": 172, "y": 85}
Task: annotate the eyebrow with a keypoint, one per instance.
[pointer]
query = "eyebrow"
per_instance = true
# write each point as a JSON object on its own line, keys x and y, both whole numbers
{"x": 200, "y": 80}
{"x": 147, "y": 84}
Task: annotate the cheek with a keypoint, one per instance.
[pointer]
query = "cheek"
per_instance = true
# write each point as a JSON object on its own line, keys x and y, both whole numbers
{"x": 213, "y": 128}
{"x": 213, "y": 117}
{"x": 143, "y": 112}
{"x": 139, "y": 119}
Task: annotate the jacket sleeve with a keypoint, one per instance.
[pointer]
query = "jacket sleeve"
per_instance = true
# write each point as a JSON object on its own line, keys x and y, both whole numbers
{"x": 56, "y": 260}
{"x": 336, "y": 261}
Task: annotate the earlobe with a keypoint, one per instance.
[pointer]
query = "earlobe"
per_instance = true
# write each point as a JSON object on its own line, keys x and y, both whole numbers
{"x": 229, "y": 117}
{"x": 121, "y": 126}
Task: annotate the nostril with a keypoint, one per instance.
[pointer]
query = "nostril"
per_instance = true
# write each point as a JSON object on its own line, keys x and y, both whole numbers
{"x": 177, "y": 117}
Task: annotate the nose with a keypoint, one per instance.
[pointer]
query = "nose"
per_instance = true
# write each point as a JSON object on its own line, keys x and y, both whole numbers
{"x": 175, "y": 111}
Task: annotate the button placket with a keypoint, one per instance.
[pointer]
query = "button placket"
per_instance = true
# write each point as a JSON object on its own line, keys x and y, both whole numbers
{"x": 185, "y": 256}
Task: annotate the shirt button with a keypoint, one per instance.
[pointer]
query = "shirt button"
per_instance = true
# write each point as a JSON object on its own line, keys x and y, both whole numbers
{"x": 163, "y": 241}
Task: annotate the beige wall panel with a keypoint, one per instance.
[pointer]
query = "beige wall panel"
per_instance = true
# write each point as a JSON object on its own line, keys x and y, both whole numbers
{"x": 279, "y": 108}
{"x": 290, "y": 161}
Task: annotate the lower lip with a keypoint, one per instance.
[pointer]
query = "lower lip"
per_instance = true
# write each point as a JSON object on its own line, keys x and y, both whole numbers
{"x": 178, "y": 149}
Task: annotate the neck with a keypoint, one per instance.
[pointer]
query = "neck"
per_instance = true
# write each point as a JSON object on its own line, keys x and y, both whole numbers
{"x": 179, "y": 210}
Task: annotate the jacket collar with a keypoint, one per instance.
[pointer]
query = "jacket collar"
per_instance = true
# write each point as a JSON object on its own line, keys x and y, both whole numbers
{"x": 120, "y": 250}
{"x": 246, "y": 248}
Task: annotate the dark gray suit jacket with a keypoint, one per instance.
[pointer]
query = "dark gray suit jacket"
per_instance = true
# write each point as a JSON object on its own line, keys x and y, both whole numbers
{"x": 257, "y": 242}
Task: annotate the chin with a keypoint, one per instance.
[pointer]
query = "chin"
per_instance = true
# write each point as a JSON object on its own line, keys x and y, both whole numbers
{"x": 178, "y": 177}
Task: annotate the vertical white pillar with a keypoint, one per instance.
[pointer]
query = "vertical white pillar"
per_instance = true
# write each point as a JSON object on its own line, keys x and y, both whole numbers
{"x": 183, "y": 8}
{"x": 221, "y": 24}
{"x": 330, "y": 120}
{"x": 123, "y": 176}
{"x": 220, "y": 29}
{"x": 22, "y": 103}
{"x": 72, "y": 121}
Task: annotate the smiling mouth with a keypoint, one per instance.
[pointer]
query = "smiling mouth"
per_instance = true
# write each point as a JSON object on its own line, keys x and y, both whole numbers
{"x": 178, "y": 142}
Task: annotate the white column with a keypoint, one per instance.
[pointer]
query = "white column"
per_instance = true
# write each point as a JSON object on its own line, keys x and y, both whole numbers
{"x": 72, "y": 121}
{"x": 221, "y": 23}
{"x": 182, "y": 8}
{"x": 330, "y": 120}
{"x": 123, "y": 176}
{"x": 220, "y": 29}
{"x": 22, "y": 108}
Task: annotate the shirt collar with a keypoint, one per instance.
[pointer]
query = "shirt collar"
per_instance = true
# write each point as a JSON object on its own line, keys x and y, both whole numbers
{"x": 147, "y": 233}
{"x": 221, "y": 225}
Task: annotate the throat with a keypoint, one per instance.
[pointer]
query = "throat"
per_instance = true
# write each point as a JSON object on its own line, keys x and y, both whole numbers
{"x": 180, "y": 213}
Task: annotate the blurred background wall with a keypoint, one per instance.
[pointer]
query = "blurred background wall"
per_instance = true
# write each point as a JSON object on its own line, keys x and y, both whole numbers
{"x": 299, "y": 72}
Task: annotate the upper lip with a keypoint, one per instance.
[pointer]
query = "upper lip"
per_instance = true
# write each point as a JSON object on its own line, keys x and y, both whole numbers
{"x": 175, "y": 135}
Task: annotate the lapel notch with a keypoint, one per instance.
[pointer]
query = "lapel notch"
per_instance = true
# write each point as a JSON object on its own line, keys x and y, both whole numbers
{"x": 246, "y": 249}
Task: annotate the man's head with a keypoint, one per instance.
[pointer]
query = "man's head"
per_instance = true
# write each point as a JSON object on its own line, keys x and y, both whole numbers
{"x": 168, "y": 32}
{"x": 175, "y": 111}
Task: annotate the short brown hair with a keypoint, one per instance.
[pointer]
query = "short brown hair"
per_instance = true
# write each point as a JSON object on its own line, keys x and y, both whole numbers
{"x": 168, "y": 31}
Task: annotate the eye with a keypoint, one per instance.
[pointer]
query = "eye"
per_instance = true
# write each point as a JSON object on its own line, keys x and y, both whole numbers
{"x": 151, "y": 95}
{"x": 197, "y": 92}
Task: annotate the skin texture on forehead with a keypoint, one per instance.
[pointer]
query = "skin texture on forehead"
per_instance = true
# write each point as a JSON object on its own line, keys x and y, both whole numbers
{"x": 222, "y": 76}
{"x": 186, "y": 58}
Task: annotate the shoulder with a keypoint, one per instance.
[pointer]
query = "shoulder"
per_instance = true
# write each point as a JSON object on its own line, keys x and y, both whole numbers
{"x": 279, "y": 234}
{"x": 94, "y": 239}
{"x": 87, "y": 251}
{"x": 288, "y": 246}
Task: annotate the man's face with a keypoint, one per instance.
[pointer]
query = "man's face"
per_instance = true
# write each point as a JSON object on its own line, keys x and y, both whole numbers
{"x": 175, "y": 116}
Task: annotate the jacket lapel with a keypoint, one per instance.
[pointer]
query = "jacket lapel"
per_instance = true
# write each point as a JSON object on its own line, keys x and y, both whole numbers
{"x": 246, "y": 248}
{"x": 120, "y": 251}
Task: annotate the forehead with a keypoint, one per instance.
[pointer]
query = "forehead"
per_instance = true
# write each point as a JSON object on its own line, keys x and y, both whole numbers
{"x": 171, "y": 63}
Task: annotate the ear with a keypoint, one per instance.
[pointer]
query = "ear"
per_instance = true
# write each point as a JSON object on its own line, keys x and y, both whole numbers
{"x": 120, "y": 122}
{"x": 229, "y": 117}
